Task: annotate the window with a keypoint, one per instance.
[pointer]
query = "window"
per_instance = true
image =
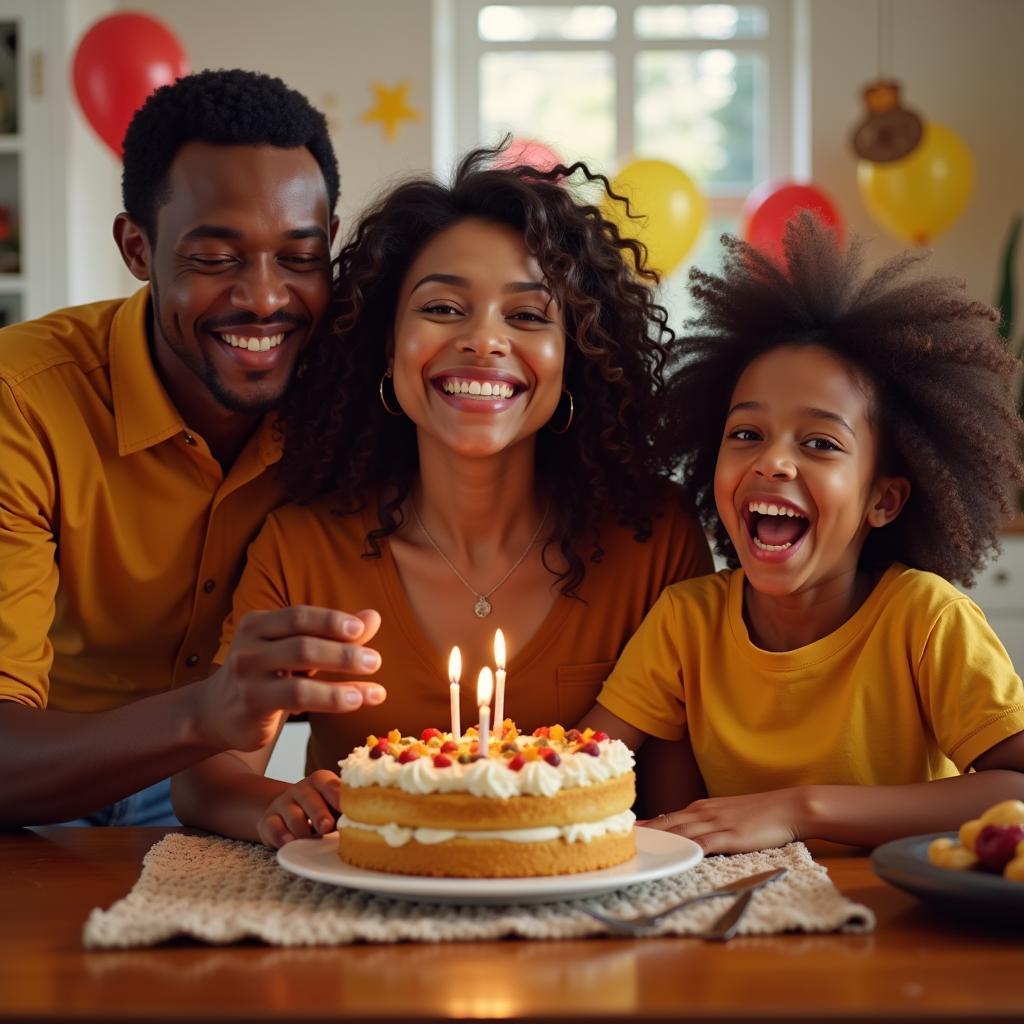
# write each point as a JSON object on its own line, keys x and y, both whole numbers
{"x": 703, "y": 86}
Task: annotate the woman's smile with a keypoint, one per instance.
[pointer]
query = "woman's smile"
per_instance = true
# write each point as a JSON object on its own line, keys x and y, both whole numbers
{"x": 478, "y": 389}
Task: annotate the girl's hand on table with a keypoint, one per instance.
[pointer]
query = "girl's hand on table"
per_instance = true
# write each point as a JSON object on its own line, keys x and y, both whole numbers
{"x": 738, "y": 824}
{"x": 308, "y": 808}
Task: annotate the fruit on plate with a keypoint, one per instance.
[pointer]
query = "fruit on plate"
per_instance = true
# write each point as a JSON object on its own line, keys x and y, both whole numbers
{"x": 944, "y": 853}
{"x": 996, "y": 845}
{"x": 993, "y": 842}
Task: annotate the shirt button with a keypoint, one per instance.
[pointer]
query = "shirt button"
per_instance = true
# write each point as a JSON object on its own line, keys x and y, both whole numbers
{"x": 208, "y": 586}
{"x": 190, "y": 440}
{"x": 192, "y": 659}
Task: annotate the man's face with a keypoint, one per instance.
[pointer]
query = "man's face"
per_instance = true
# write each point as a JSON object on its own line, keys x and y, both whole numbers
{"x": 240, "y": 269}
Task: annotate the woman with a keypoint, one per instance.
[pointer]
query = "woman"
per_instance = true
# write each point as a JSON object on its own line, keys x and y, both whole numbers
{"x": 475, "y": 445}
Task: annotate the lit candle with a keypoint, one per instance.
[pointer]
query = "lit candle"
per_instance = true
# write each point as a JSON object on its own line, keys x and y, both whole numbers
{"x": 499, "y": 683}
{"x": 454, "y": 674}
{"x": 484, "y": 689}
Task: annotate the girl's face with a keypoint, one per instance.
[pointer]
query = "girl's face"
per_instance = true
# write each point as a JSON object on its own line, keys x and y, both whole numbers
{"x": 479, "y": 341}
{"x": 796, "y": 482}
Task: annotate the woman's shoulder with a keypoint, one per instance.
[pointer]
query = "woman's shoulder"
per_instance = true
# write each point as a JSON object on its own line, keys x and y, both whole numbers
{"x": 308, "y": 525}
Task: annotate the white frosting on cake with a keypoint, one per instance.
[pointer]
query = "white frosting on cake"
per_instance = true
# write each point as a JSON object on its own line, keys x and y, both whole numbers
{"x": 582, "y": 832}
{"x": 488, "y": 777}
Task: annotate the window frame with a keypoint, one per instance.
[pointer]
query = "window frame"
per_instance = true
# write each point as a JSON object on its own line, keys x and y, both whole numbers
{"x": 774, "y": 140}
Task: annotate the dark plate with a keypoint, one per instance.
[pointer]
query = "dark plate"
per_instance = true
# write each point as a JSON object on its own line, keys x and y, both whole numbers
{"x": 977, "y": 894}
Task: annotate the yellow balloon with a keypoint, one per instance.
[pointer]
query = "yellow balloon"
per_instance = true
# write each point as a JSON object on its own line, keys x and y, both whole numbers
{"x": 919, "y": 196}
{"x": 670, "y": 209}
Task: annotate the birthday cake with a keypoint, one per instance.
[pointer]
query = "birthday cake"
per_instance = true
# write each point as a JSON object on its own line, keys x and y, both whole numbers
{"x": 554, "y": 802}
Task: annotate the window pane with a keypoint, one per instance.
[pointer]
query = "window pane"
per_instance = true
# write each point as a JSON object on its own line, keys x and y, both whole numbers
{"x": 701, "y": 21}
{"x": 699, "y": 111}
{"x": 525, "y": 24}
{"x": 566, "y": 100}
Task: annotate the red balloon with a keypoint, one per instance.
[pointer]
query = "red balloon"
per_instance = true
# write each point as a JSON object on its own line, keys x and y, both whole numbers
{"x": 772, "y": 205}
{"x": 118, "y": 63}
{"x": 528, "y": 153}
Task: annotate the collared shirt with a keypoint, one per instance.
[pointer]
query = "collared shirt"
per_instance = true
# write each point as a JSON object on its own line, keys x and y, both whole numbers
{"x": 121, "y": 538}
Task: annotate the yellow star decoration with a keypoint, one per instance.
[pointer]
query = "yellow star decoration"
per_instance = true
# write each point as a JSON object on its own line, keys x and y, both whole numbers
{"x": 391, "y": 107}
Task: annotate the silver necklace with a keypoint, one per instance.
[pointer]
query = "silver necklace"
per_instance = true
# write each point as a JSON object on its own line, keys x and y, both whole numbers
{"x": 482, "y": 608}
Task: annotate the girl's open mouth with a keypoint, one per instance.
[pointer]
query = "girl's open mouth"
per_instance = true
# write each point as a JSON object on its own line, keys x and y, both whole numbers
{"x": 774, "y": 526}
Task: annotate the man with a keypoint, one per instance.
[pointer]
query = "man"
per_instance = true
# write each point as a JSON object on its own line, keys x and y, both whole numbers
{"x": 138, "y": 462}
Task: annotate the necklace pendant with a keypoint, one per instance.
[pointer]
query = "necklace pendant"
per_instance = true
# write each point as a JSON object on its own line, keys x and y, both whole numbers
{"x": 482, "y": 607}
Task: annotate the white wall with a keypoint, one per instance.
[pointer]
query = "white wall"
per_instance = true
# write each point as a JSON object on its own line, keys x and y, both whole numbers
{"x": 331, "y": 50}
{"x": 960, "y": 62}
{"x": 93, "y": 182}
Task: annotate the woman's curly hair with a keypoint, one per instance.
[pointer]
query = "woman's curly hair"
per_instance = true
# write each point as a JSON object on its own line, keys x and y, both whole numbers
{"x": 936, "y": 368}
{"x": 612, "y": 463}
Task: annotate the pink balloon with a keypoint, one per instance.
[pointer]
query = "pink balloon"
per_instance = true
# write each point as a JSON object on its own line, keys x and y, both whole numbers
{"x": 120, "y": 60}
{"x": 528, "y": 153}
{"x": 772, "y": 205}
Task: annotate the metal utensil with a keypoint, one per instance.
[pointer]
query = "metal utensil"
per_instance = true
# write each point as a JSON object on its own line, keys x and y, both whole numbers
{"x": 742, "y": 887}
{"x": 724, "y": 928}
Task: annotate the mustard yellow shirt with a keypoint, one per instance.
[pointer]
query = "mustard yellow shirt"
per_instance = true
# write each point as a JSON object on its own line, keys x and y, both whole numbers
{"x": 121, "y": 539}
{"x": 307, "y": 555}
{"x": 914, "y": 686}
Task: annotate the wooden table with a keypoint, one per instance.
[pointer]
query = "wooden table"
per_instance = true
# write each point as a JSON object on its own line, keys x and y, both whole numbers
{"x": 916, "y": 966}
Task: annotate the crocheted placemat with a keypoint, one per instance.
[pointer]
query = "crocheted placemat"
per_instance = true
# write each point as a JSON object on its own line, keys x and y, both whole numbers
{"x": 220, "y": 891}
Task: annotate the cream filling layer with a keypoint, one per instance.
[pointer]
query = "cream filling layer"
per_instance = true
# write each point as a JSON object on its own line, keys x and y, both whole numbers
{"x": 582, "y": 832}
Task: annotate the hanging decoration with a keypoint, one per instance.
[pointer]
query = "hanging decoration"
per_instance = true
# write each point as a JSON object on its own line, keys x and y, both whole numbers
{"x": 668, "y": 210}
{"x": 920, "y": 196}
{"x": 770, "y": 207}
{"x": 889, "y": 130}
{"x": 391, "y": 107}
{"x": 915, "y": 176}
{"x": 119, "y": 61}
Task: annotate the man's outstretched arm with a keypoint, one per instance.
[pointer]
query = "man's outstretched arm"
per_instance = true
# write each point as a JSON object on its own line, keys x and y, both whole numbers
{"x": 60, "y": 765}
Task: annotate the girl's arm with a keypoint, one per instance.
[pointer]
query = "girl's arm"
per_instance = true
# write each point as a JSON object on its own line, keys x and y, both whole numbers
{"x": 854, "y": 815}
{"x": 667, "y": 772}
{"x": 227, "y": 793}
{"x": 230, "y": 794}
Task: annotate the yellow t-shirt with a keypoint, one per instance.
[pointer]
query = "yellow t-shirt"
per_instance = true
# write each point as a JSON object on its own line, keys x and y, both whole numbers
{"x": 307, "y": 555}
{"x": 121, "y": 539}
{"x": 914, "y": 686}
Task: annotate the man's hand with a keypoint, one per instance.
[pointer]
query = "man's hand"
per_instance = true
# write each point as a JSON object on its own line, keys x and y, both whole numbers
{"x": 268, "y": 673}
{"x": 309, "y": 808}
{"x": 738, "y": 824}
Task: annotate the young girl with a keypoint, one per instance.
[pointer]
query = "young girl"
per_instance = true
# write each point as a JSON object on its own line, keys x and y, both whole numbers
{"x": 475, "y": 444}
{"x": 854, "y": 446}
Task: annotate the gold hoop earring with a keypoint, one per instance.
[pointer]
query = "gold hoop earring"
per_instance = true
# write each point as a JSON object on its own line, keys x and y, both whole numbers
{"x": 386, "y": 375}
{"x": 568, "y": 422}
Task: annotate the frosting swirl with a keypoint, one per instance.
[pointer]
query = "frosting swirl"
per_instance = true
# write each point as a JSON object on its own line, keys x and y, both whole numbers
{"x": 497, "y": 777}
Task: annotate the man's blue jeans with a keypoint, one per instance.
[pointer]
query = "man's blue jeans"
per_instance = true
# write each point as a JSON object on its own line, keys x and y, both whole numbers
{"x": 150, "y": 806}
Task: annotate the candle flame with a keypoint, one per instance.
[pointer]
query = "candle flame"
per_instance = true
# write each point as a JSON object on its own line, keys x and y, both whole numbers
{"x": 455, "y": 665}
{"x": 484, "y": 687}
{"x": 499, "y": 649}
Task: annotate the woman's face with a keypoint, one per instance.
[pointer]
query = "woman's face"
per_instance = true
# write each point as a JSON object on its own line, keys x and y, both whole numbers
{"x": 479, "y": 341}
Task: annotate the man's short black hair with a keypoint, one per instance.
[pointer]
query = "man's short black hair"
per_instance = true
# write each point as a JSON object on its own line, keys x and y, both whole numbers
{"x": 223, "y": 108}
